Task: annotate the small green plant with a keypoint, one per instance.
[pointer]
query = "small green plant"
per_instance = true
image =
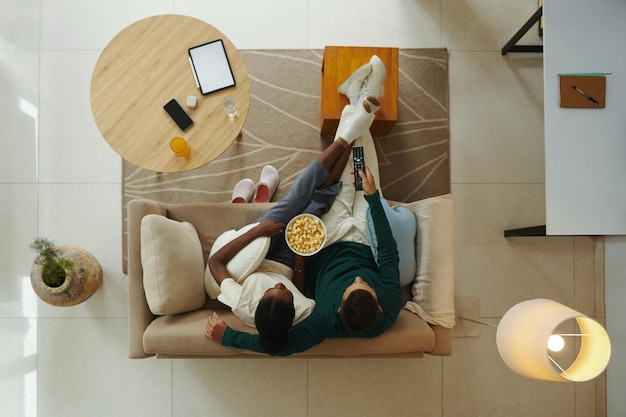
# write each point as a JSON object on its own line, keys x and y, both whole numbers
{"x": 52, "y": 267}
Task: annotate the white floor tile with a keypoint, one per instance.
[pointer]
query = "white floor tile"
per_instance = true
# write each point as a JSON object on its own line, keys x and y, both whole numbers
{"x": 19, "y": 24}
{"x": 496, "y": 122}
{"x": 18, "y": 367}
{"x": 254, "y": 388}
{"x": 66, "y": 24}
{"x": 405, "y": 24}
{"x": 18, "y": 227}
{"x": 87, "y": 215}
{"x": 484, "y": 25}
{"x": 376, "y": 387}
{"x": 71, "y": 148}
{"x": 19, "y": 107}
{"x": 83, "y": 370}
{"x": 274, "y": 24}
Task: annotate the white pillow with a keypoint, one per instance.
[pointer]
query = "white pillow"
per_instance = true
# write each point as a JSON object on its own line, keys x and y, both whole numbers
{"x": 241, "y": 265}
{"x": 433, "y": 288}
{"x": 173, "y": 265}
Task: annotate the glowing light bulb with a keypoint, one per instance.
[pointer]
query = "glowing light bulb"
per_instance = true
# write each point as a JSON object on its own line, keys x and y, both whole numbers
{"x": 556, "y": 343}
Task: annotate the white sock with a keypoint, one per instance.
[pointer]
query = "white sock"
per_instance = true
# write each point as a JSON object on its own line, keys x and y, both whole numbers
{"x": 358, "y": 123}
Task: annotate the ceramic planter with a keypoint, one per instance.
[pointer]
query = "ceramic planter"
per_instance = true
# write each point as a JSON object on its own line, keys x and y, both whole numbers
{"x": 81, "y": 281}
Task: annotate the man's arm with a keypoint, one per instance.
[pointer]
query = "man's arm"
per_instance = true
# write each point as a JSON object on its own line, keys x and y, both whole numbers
{"x": 390, "y": 291}
{"x": 219, "y": 260}
{"x": 218, "y": 330}
{"x": 387, "y": 249}
{"x": 388, "y": 258}
{"x": 308, "y": 333}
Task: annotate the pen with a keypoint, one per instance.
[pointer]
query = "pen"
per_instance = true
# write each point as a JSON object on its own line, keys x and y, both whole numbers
{"x": 591, "y": 99}
{"x": 193, "y": 71}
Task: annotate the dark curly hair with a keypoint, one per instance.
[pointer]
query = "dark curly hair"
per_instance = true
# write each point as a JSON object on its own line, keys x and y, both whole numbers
{"x": 359, "y": 312}
{"x": 273, "y": 320}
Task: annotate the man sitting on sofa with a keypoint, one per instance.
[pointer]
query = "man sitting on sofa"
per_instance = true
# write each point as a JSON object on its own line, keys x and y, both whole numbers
{"x": 281, "y": 304}
{"x": 355, "y": 295}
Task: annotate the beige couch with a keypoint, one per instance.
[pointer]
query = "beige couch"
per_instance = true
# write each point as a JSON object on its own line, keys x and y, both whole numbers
{"x": 182, "y": 335}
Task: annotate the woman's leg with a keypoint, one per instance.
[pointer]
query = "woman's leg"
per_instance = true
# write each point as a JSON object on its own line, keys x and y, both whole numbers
{"x": 313, "y": 192}
{"x": 335, "y": 162}
{"x": 319, "y": 175}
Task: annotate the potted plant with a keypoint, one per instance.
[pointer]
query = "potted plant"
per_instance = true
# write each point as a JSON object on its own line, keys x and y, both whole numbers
{"x": 63, "y": 275}
{"x": 53, "y": 269}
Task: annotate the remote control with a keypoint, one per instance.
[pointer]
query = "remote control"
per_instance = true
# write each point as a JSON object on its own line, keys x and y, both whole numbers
{"x": 359, "y": 165}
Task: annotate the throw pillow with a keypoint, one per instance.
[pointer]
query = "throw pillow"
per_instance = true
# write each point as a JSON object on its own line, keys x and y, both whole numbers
{"x": 173, "y": 265}
{"x": 243, "y": 264}
{"x": 404, "y": 228}
{"x": 433, "y": 288}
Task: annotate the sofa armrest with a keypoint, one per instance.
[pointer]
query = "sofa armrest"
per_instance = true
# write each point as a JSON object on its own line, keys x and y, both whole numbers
{"x": 443, "y": 341}
{"x": 139, "y": 314}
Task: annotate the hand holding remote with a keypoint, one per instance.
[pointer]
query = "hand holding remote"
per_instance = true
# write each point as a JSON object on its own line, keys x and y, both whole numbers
{"x": 368, "y": 182}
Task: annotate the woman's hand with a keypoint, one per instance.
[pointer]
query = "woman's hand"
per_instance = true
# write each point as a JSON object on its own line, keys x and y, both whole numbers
{"x": 215, "y": 328}
{"x": 270, "y": 228}
{"x": 369, "y": 184}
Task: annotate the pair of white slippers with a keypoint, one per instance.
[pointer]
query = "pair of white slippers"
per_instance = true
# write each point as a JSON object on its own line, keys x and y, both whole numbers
{"x": 264, "y": 188}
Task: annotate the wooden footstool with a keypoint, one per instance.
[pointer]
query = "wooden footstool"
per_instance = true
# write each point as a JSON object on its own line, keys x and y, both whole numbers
{"x": 339, "y": 63}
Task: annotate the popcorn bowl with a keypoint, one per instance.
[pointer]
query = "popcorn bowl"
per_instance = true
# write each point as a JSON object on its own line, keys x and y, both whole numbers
{"x": 305, "y": 234}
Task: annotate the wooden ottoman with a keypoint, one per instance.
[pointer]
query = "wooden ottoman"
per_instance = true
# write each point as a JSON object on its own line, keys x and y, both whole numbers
{"x": 338, "y": 64}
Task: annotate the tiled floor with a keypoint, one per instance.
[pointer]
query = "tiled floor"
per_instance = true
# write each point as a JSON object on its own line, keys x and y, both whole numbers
{"x": 59, "y": 178}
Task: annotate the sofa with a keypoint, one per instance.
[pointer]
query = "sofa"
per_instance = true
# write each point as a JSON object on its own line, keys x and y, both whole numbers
{"x": 174, "y": 328}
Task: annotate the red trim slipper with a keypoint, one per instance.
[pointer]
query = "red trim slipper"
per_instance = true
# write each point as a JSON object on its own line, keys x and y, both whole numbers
{"x": 267, "y": 185}
{"x": 242, "y": 191}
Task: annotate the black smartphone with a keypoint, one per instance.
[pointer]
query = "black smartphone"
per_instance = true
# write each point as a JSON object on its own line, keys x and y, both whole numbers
{"x": 178, "y": 114}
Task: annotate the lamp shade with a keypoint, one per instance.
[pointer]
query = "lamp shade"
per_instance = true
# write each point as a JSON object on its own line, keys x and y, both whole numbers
{"x": 522, "y": 341}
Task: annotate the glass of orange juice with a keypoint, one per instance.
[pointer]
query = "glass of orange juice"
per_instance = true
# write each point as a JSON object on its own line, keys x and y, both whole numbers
{"x": 180, "y": 147}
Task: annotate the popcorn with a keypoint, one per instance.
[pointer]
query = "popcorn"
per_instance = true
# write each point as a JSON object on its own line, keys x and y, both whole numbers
{"x": 305, "y": 234}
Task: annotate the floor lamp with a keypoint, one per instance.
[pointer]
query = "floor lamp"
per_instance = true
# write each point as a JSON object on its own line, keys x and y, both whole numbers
{"x": 545, "y": 340}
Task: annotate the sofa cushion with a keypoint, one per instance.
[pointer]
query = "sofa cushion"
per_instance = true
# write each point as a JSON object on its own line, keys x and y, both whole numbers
{"x": 404, "y": 228}
{"x": 241, "y": 265}
{"x": 173, "y": 265}
{"x": 183, "y": 335}
{"x": 433, "y": 288}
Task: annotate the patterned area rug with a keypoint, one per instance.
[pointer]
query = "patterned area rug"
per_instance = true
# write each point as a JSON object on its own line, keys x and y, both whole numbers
{"x": 282, "y": 130}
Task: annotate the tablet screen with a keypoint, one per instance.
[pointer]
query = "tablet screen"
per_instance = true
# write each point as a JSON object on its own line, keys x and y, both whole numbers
{"x": 211, "y": 67}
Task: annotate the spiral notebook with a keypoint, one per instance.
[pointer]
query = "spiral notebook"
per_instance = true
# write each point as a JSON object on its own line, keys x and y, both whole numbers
{"x": 211, "y": 67}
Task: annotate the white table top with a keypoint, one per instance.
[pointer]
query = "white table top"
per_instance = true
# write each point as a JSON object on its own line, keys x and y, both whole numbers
{"x": 585, "y": 149}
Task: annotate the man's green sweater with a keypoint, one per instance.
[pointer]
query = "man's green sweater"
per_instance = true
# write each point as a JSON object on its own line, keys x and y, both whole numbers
{"x": 329, "y": 273}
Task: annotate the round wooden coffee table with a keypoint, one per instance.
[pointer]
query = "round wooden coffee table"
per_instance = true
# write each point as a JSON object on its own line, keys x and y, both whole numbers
{"x": 145, "y": 66}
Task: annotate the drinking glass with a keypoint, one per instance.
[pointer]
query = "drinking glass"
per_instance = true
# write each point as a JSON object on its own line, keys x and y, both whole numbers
{"x": 230, "y": 107}
{"x": 180, "y": 147}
